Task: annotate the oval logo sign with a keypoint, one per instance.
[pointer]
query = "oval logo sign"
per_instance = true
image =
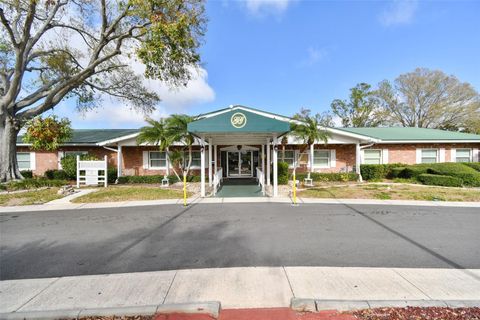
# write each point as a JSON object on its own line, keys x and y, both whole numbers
{"x": 238, "y": 120}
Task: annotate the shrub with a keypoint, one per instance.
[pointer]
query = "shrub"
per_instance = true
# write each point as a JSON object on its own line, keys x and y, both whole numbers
{"x": 468, "y": 175}
{"x": 474, "y": 165}
{"x": 396, "y": 172}
{"x": 325, "y": 177}
{"x": 412, "y": 172}
{"x": 156, "y": 179}
{"x": 439, "y": 180}
{"x": 373, "y": 171}
{"x": 282, "y": 172}
{"x": 27, "y": 174}
{"x": 34, "y": 183}
{"x": 112, "y": 175}
{"x": 3, "y": 186}
{"x": 69, "y": 164}
{"x": 56, "y": 175}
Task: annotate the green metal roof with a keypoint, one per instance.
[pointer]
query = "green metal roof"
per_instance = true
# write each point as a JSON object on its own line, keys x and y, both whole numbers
{"x": 244, "y": 107}
{"x": 223, "y": 123}
{"x": 93, "y": 136}
{"x": 411, "y": 134}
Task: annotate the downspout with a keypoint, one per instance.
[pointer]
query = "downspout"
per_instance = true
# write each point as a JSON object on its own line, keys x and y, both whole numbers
{"x": 358, "y": 150}
{"x": 118, "y": 164}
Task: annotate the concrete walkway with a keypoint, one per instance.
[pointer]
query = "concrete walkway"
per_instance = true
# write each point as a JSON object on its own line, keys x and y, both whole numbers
{"x": 66, "y": 205}
{"x": 254, "y": 287}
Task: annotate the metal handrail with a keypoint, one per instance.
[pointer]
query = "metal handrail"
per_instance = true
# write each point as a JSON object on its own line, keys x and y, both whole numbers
{"x": 261, "y": 179}
{"x": 217, "y": 180}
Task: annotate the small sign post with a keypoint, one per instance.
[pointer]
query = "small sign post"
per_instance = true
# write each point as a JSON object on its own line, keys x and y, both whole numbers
{"x": 88, "y": 172}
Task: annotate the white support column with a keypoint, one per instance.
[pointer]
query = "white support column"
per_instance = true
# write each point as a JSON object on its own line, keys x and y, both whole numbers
{"x": 215, "y": 159}
{"x": 210, "y": 158}
{"x": 357, "y": 161}
{"x": 262, "y": 158}
{"x": 268, "y": 162}
{"x": 119, "y": 161}
{"x": 275, "y": 167}
{"x": 311, "y": 155}
{"x": 202, "y": 167}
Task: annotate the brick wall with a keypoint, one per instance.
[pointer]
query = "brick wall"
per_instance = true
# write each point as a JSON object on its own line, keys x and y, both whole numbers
{"x": 345, "y": 156}
{"x": 406, "y": 153}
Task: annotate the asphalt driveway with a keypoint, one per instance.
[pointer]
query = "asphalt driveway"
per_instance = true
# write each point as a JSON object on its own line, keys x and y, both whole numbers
{"x": 147, "y": 238}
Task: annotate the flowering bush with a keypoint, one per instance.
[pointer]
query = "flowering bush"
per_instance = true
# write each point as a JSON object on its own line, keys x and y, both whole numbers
{"x": 47, "y": 133}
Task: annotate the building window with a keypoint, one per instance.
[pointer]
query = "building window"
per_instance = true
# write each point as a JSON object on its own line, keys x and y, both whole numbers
{"x": 321, "y": 158}
{"x": 463, "y": 155}
{"x": 158, "y": 159}
{"x": 429, "y": 155}
{"x": 196, "y": 160}
{"x": 23, "y": 160}
{"x": 372, "y": 156}
{"x": 290, "y": 157}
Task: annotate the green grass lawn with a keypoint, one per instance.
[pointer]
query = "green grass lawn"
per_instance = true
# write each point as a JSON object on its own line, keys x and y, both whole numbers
{"x": 129, "y": 193}
{"x": 29, "y": 197}
{"x": 394, "y": 192}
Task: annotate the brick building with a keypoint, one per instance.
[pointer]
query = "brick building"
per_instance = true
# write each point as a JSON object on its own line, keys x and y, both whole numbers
{"x": 241, "y": 142}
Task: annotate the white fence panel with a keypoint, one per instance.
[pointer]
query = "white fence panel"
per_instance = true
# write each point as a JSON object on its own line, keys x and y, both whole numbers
{"x": 88, "y": 172}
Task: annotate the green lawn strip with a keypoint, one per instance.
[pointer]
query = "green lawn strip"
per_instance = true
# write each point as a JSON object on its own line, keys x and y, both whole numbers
{"x": 112, "y": 194}
{"x": 29, "y": 197}
{"x": 394, "y": 192}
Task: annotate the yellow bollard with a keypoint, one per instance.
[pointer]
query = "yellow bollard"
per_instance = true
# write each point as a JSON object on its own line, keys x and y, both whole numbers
{"x": 184, "y": 190}
{"x": 294, "y": 188}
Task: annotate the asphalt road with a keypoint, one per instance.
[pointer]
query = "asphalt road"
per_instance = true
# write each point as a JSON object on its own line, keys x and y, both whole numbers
{"x": 97, "y": 241}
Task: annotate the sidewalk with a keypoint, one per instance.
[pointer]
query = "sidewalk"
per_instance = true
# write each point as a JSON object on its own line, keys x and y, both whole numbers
{"x": 253, "y": 287}
{"x": 64, "y": 204}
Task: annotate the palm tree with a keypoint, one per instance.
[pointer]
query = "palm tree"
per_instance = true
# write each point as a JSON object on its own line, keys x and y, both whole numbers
{"x": 309, "y": 129}
{"x": 177, "y": 131}
{"x": 156, "y": 133}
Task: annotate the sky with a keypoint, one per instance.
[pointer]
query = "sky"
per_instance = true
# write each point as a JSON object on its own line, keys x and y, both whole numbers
{"x": 282, "y": 55}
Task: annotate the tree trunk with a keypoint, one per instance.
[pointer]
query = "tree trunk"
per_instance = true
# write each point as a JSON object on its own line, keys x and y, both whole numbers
{"x": 8, "y": 150}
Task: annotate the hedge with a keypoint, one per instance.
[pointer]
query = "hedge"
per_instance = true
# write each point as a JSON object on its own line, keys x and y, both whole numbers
{"x": 396, "y": 172}
{"x": 56, "y": 174}
{"x": 468, "y": 175}
{"x": 156, "y": 179}
{"x": 34, "y": 183}
{"x": 378, "y": 171}
{"x": 325, "y": 177}
{"x": 412, "y": 172}
{"x": 474, "y": 165}
{"x": 27, "y": 174}
{"x": 439, "y": 180}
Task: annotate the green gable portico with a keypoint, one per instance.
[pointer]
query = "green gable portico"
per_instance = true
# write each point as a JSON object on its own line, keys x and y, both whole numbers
{"x": 247, "y": 136}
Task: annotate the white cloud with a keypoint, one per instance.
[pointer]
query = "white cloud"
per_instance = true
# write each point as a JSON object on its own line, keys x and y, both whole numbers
{"x": 113, "y": 112}
{"x": 314, "y": 55}
{"x": 399, "y": 12}
{"x": 267, "y": 7}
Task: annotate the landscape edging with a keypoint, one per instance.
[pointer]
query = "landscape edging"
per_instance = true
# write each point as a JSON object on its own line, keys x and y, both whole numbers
{"x": 211, "y": 308}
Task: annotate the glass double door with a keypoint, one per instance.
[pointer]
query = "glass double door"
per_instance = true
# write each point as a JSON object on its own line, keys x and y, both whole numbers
{"x": 240, "y": 164}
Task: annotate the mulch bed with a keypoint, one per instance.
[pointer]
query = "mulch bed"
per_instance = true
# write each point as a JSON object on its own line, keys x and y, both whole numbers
{"x": 408, "y": 313}
{"x": 417, "y": 313}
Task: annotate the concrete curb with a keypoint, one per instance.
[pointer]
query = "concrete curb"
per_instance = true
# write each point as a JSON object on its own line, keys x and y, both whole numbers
{"x": 211, "y": 308}
{"x": 315, "y": 305}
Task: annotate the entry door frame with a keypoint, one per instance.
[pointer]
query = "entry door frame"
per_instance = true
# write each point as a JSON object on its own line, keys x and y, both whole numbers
{"x": 239, "y": 175}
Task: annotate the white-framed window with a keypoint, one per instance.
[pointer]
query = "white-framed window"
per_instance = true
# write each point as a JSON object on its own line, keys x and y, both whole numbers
{"x": 157, "y": 159}
{"x": 321, "y": 158}
{"x": 463, "y": 155}
{"x": 196, "y": 160}
{"x": 289, "y": 157}
{"x": 24, "y": 161}
{"x": 372, "y": 156}
{"x": 429, "y": 156}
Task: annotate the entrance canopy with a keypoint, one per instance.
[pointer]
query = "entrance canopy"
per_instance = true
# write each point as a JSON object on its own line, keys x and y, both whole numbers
{"x": 239, "y": 125}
